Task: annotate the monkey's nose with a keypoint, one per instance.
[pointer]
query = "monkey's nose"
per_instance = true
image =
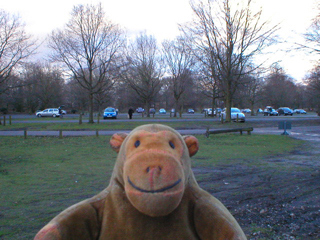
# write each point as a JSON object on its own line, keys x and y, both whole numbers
{"x": 154, "y": 169}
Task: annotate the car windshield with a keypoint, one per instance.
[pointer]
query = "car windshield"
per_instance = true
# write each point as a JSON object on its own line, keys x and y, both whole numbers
{"x": 109, "y": 110}
{"x": 235, "y": 110}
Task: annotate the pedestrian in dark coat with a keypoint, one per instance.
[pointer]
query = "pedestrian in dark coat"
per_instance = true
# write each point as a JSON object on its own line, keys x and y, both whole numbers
{"x": 130, "y": 112}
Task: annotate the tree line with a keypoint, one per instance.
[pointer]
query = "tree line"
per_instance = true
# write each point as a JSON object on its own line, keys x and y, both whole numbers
{"x": 212, "y": 63}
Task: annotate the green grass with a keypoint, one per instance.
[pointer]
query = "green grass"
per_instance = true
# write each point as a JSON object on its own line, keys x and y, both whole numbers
{"x": 40, "y": 176}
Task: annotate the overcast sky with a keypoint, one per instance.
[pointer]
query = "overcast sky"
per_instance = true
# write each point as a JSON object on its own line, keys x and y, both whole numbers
{"x": 160, "y": 18}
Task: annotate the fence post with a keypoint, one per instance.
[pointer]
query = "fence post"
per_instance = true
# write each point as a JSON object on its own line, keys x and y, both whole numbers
{"x": 60, "y": 134}
{"x": 4, "y": 120}
{"x": 80, "y": 119}
{"x": 10, "y": 120}
{"x": 97, "y": 133}
{"x": 98, "y": 117}
{"x": 238, "y": 118}
{"x": 25, "y": 134}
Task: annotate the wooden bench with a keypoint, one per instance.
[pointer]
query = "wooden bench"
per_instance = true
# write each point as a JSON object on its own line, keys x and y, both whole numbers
{"x": 228, "y": 130}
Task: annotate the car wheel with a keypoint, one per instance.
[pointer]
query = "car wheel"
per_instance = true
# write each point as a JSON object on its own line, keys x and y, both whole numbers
{"x": 54, "y": 115}
{"x": 39, "y": 115}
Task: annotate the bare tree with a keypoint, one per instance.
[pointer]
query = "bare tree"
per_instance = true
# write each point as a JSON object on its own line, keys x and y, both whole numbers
{"x": 143, "y": 70}
{"x": 313, "y": 88}
{"x": 279, "y": 89}
{"x": 88, "y": 47}
{"x": 179, "y": 61}
{"x": 15, "y": 46}
{"x": 229, "y": 34}
{"x": 312, "y": 36}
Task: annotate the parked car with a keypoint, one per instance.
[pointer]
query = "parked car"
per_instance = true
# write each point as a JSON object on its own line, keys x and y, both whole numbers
{"x": 247, "y": 110}
{"x": 205, "y": 110}
{"x": 49, "y": 112}
{"x": 235, "y": 114}
{"x": 190, "y": 110}
{"x": 285, "y": 111}
{"x": 162, "y": 111}
{"x": 299, "y": 111}
{"x": 173, "y": 110}
{"x": 269, "y": 111}
{"x": 139, "y": 110}
{"x": 210, "y": 112}
{"x": 152, "y": 111}
{"x": 110, "y": 112}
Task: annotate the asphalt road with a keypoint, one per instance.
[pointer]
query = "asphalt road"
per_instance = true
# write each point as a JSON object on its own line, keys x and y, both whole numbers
{"x": 311, "y": 132}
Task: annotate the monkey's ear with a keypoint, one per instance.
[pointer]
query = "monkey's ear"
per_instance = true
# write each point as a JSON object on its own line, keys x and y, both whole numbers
{"x": 192, "y": 144}
{"x": 117, "y": 140}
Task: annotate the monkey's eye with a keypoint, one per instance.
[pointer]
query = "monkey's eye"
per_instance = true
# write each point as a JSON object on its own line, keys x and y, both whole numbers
{"x": 171, "y": 144}
{"x": 137, "y": 143}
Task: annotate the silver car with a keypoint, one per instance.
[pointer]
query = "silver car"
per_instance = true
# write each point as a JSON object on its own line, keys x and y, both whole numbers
{"x": 49, "y": 112}
{"x": 236, "y": 114}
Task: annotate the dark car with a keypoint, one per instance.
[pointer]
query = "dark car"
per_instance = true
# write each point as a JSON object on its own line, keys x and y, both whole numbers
{"x": 152, "y": 111}
{"x": 285, "y": 111}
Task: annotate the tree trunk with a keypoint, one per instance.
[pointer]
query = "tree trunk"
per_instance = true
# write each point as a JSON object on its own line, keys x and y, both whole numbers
{"x": 213, "y": 104}
{"x": 176, "y": 106}
{"x": 228, "y": 102}
{"x": 91, "y": 108}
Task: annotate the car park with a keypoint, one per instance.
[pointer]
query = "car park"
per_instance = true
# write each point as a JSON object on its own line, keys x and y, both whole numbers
{"x": 110, "y": 112}
{"x": 49, "y": 112}
{"x": 285, "y": 111}
{"x": 236, "y": 115}
{"x": 162, "y": 111}
{"x": 270, "y": 111}
{"x": 299, "y": 111}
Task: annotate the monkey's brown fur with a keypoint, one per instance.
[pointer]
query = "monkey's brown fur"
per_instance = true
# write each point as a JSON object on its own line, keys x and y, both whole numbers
{"x": 152, "y": 195}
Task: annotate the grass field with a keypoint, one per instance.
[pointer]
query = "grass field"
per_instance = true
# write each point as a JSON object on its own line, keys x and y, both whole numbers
{"x": 41, "y": 176}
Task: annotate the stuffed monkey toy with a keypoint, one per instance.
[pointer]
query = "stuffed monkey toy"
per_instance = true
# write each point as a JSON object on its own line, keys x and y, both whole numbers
{"x": 152, "y": 195}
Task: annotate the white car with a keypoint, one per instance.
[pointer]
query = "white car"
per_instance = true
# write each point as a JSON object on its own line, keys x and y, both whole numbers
{"x": 235, "y": 114}
{"x": 162, "y": 111}
{"x": 49, "y": 112}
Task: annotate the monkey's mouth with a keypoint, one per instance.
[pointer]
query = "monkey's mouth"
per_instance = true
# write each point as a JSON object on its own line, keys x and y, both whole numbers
{"x": 154, "y": 191}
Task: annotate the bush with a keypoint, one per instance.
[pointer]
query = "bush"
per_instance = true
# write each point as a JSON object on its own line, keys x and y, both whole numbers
{"x": 4, "y": 110}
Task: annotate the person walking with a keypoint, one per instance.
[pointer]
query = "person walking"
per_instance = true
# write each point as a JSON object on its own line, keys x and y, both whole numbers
{"x": 130, "y": 112}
